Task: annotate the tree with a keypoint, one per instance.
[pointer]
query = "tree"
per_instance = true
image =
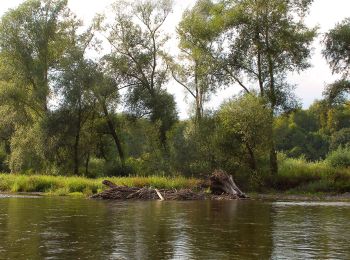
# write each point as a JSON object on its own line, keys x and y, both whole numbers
{"x": 88, "y": 91}
{"x": 137, "y": 41}
{"x": 32, "y": 41}
{"x": 337, "y": 53}
{"x": 340, "y": 138}
{"x": 336, "y": 48}
{"x": 197, "y": 70}
{"x": 248, "y": 119}
{"x": 106, "y": 91}
{"x": 74, "y": 83}
{"x": 266, "y": 39}
{"x": 299, "y": 134}
{"x": 337, "y": 92}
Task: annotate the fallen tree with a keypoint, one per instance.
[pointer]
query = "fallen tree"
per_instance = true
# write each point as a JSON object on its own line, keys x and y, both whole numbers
{"x": 221, "y": 185}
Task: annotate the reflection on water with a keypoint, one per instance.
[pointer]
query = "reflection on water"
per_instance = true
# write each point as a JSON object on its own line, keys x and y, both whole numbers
{"x": 62, "y": 228}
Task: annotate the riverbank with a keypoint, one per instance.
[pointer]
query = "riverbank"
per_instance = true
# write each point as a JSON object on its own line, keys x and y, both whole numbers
{"x": 80, "y": 186}
{"x": 296, "y": 178}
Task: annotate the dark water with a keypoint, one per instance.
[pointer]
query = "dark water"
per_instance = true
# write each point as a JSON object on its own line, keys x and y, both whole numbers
{"x": 63, "y": 228}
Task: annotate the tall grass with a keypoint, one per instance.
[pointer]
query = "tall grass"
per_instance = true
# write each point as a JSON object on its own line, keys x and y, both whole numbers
{"x": 302, "y": 176}
{"x": 60, "y": 185}
{"x": 295, "y": 175}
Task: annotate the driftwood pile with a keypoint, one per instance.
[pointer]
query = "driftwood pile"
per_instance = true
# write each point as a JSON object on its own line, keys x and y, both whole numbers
{"x": 221, "y": 185}
{"x": 133, "y": 193}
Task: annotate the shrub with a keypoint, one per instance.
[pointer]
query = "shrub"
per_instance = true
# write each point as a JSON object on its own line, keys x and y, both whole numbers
{"x": 340, "y": 138}
{"x": 339, "y": 158}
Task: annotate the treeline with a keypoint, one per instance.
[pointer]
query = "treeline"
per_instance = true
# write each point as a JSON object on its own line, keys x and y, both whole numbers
{"x": 68, "y": 108}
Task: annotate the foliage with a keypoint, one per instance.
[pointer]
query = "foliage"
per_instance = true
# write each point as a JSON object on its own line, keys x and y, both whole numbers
{"x": 248, "y": 119}
{"x": 340, "y": 138}
{"x": 58, "y": 185}
{"x": 337, "y": 92}
{"x": 196, "y": 69}
{"x": 339, "y": 158}
{"x": 301, "y": 176}
{"x": 298, "y": 134}
{"x": 192, "y": 147}
{"x": 336, "y": 49}
{"x": 138, "y": 54}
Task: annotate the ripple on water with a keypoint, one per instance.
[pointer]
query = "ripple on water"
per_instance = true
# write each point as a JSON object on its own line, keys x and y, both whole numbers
{"x": 6, "y": 196}
{"x": 311, "y": 204}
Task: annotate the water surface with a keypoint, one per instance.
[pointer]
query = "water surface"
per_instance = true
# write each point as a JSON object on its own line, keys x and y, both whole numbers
{"x": 65, "y": 228}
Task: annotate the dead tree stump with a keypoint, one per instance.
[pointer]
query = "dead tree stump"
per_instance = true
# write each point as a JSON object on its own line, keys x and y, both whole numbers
{"x": 222, "y": 183}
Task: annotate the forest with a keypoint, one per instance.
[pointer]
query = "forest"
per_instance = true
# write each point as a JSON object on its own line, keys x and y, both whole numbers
{"x": 92, "y": 100}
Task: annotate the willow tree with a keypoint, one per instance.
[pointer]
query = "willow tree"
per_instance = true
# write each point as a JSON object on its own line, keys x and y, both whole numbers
{"x": 74, "y": 81}
{"x": 138, "y": 42}
{"x": 336, "y": 48}
{"x": 197, "y": 70}
{"x": 266, "y": 40}
{"x": 337, "y": 53}
{"x": 32, "y": 40}
{"x": 106, "y": 87}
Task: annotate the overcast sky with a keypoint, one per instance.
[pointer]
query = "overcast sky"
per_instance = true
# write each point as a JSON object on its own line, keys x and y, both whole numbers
{"x": 310, "y": 83}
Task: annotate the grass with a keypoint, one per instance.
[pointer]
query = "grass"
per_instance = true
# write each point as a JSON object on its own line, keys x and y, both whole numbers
{"x": 79, "y": 186}
{"x": 300, "y": 176}
{"x": 296, "y": 176}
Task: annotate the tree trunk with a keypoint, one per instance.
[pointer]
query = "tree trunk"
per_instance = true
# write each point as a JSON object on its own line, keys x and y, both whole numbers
{"x": 273, "y": 160}
{"x": 76, "y": 144}
{"x": 87, "y": 164}
{"x": 273, "y": 101}
{"x": 114, "y": 135}
{"x": 252, "y": 161}
{"x": 198, "y": 97}
{"x": 76, "y": 152}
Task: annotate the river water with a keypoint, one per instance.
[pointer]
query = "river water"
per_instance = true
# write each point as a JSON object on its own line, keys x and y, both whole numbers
{"x": 66, "y": 228}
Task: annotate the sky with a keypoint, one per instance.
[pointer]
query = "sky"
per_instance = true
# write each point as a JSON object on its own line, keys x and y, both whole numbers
{"x": 309, "y": 84}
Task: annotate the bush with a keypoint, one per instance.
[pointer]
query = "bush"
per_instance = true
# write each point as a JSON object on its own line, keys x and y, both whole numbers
{"x": 101, "y": 168}
{"x": 340, "y": 138}
{"x": 96, "y": 168}
{"x": 339, "y": 158}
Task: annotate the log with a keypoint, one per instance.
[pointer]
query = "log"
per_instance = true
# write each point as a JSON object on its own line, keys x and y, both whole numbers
{"x": 222, "y": 183}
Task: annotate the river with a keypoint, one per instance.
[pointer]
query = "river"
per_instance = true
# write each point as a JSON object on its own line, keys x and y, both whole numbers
{"x": 68, "y": 228}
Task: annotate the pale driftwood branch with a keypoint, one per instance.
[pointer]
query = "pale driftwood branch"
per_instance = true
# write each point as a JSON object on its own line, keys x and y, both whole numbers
{"x": 159, "y": 195}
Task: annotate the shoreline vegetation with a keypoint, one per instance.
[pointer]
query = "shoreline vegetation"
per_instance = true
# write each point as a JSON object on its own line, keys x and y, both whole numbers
{"x": 296, "y": 177}
{"x": 81, "y": 186}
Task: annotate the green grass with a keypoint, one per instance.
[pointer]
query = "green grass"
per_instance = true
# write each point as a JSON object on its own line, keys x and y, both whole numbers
{"x": 298, "y": 175}
{"x": 79, "y": 186}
